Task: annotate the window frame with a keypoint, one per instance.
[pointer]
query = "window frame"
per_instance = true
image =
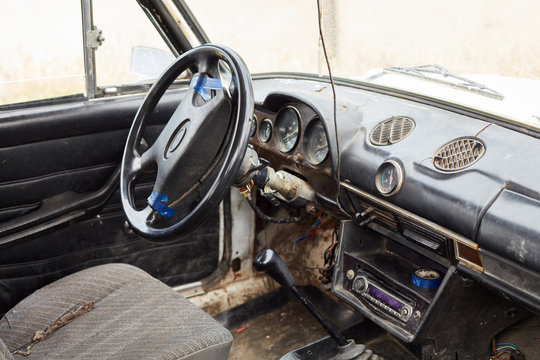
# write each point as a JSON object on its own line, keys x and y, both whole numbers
{"x": 168, "y": 28}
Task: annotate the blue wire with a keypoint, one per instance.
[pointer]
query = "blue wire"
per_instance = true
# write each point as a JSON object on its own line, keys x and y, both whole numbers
{"x": 315, "y": 224}
{"x": 300, "y": 239}
{"x": 508, "y": 344}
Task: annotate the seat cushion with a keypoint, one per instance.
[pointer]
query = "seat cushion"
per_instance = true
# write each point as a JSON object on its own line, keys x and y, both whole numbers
{"x": 5, "y": 354}
{"x": 115, "y": 311}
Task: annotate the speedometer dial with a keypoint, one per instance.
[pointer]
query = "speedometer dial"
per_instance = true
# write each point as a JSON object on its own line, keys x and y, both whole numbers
{"x": 316, "y": 145}
{"x": 288, "y": 128}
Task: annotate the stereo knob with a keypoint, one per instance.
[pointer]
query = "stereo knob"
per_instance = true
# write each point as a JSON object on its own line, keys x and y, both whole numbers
{"x": 404, "y": 312}
{"x": 359, "y": 284}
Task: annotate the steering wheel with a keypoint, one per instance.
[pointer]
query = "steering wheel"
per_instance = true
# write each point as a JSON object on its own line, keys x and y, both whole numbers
{"x": 198, "y": 153}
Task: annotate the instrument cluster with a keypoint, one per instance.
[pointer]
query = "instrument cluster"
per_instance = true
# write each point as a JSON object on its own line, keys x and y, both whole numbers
{"x": 295, "y": 130}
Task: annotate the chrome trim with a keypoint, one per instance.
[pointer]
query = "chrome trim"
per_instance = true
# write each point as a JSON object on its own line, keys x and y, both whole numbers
{"x": 409, "y": 215}
{"x": 378, "y": 178}
{"x": 470, "y": 264}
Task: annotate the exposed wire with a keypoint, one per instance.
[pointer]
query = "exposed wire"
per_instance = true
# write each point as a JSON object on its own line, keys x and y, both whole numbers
{"x": 329, "y": 253}
{"x": 329, "y": 258}
{"x": 321, "y": 37}
{"x": 507, "y": 345}
{"x": 499, "y": 349}
{"x": 273, "y": 219}
{"x": 499, "y": 354}
{"x": 484, "y": 128}
{"x": 331, "y": 250}
{"x": 316, "y": 225}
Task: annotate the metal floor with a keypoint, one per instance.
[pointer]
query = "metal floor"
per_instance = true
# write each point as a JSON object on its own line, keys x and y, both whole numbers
{"x": 271, "y": 333}
{"x": 274, "y": 334}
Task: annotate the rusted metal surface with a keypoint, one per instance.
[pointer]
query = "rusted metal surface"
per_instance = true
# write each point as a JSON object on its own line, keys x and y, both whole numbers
{"x": 304, "y": 261}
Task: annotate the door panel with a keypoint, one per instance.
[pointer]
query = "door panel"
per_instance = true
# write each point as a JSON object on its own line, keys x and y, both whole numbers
{"x": 52, "y": 156}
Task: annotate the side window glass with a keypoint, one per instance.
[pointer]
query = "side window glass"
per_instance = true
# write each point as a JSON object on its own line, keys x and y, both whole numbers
{"x": 133, "y": 51}
{"x": 41, "y": 50}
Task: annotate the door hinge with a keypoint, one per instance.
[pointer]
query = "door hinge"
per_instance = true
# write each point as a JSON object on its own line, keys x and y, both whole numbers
{"x": 94, "y": 38}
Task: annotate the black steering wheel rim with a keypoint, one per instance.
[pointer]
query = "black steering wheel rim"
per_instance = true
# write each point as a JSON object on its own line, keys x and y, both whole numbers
{"x": 200, "y": 59}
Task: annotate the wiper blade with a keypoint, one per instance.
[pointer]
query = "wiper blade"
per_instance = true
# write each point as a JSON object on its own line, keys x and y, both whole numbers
{"x": 439, "y": 74}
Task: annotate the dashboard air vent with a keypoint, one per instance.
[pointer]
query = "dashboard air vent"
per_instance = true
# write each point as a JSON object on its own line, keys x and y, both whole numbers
{"x": 392, "y": 130}
{"x": 459, "y": 154}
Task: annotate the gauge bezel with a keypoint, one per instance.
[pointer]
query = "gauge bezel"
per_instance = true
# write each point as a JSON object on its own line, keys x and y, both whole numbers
{"x": 271, "y": 131}
{"x": 378, "y": 178}
{"x": 279, "y": 143}
{"x": 309, "y": 128}
{"x": 255, "y": 120}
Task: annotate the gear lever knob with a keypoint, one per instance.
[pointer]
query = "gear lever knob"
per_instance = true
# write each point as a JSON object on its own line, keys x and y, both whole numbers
{"x": 269, "y": 262}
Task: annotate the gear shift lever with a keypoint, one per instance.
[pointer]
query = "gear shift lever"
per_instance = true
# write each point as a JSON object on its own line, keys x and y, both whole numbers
{"x": 270, "y": 262}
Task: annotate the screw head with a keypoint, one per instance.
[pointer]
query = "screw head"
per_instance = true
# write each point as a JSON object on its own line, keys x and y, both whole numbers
{"x": 350, "y": 274}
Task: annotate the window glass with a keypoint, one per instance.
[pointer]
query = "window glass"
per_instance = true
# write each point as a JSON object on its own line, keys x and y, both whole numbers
{"x": 268, "y": 35}
{"x": 495, "y": 37}
{"x": 41, "y": 56}
{"x": 125, "y": 26}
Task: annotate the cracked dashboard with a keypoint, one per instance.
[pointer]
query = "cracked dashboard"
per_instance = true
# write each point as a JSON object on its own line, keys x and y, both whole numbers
{"x": 426, "y": 186}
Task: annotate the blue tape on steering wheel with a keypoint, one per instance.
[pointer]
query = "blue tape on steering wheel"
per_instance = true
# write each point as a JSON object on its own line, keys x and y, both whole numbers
{"x": 156, "y": 200}
{"x": 203, "y": 83}
{"x": 426, "y": 278}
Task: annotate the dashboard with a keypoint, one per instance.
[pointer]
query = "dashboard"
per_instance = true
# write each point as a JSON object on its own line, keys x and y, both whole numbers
{"x": 292, "y": 136}
{"x": 429, "y": 193}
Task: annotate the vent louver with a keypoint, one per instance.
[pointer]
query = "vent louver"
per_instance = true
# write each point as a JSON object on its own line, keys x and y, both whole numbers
{"x": 459, "y": 154}
{"x": 392, "y": 130}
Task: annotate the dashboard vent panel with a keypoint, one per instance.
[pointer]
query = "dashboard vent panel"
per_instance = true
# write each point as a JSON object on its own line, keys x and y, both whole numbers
{"x": 392, "y": 130}
{"x": 459, "y": 154}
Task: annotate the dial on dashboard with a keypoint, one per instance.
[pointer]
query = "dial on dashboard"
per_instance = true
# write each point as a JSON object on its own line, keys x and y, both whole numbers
{"x": 389, "y": 178}
{"x": 316, "y": 146}
{"x": 288, "y": 128}
{"x": 265, "y": 130}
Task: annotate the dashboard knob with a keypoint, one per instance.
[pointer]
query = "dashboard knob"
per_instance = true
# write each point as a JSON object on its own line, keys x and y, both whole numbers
{"x": 359, "y": 284}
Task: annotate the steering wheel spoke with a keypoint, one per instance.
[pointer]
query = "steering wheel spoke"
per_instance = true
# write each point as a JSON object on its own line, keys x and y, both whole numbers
{"x": 200, "y": 147}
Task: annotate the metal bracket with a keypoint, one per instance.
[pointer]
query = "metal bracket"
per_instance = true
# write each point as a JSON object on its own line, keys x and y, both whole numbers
{"x": 94, "y": 38}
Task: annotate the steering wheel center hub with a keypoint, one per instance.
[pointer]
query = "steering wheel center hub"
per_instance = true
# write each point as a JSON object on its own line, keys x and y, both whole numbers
{"x": 176, "y": 139}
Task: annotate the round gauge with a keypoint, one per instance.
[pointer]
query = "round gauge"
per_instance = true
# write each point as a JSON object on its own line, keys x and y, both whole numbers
{"x": 288, "y": 128}
{"x": 389, "y": 178}
{"x": 253, "y": 128}
{"x": 316, "y": 145}
{"x": 265, "y": 130}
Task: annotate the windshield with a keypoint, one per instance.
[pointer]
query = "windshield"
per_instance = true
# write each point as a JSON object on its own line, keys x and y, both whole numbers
{"x": 490, "y": 41}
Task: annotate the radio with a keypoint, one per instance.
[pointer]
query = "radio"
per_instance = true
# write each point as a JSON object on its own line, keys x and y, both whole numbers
{"x": 386, "y": 281}
{"x": 385, "y": 296}
{"x": 383, "y": 299}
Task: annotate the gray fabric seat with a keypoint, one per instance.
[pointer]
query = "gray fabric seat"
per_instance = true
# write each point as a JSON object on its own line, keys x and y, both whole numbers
{"x": 127, "y": 315}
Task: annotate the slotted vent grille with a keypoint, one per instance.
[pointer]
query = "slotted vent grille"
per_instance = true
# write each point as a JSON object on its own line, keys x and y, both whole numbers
{"x": 459, "y": 154}
{"x": 392, "y": 130}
